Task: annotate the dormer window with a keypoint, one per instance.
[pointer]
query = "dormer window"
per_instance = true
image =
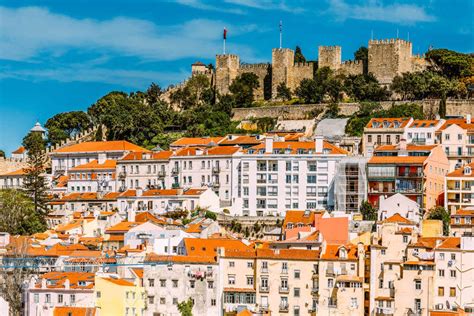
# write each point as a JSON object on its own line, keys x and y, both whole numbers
{"x": 375, "y": 124}
{"x": 386, "y": 124}
{"x": 396, "y": 124}
{"x": 343, "y": 253}
{"x": 467, "y": 171}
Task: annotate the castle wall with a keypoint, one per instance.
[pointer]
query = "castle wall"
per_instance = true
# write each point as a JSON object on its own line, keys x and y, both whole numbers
{"x": 263, "y": 72}
{"x": 305, "y": 111}
{"x": 351, "y": 67}
{"x": 418, "y": 63}
{"x": 300, "y": 71}
{"x": 282, "y": 64}
{"x": 227, "y": 68}
{"x": 329, "y": 56}
{"x": 388, "y": 58}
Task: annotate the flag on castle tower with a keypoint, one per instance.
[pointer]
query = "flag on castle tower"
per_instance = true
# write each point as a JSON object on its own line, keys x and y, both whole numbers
{"x": 225, "y": 33}
{"x": 281, "y": 25}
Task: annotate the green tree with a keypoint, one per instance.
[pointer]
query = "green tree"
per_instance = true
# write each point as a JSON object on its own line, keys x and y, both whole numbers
{"x": 365, "y": 88}
{"x": 440, "y": 213}
{"x": 65, "y": 125}
{"x": 2, "y": 153}
{"x": 308, "y": 91}
{"x": 186, "y": 307}
{"x": 442, "y": 108}
{"x": 283, "y": 92}
{"x": 332, "y": 111}
{"x": 299, "y": 57}
{"x": 242, "y": 89}
{"x": 153, "y": 93}
{"x": 451, "y": 64}
{"x": 210, "y": 215}
{"x": 369, "y": 213}
{"x": 362, "y": 55}
{"x": 18, "y": 215}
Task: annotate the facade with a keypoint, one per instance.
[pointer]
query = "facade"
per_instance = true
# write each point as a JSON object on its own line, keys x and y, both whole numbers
{"x": 423, "y": 132}
{"x": 457, "y": 138}
{"x": 277, "y": 176}
{"x": 96, "y": 176}
{"x": 414, "y": 170}
{"x": 12, "y": 180}
{"x": 398, "y": 204}
{"x": 459, "y": 188}
{"x": 57, "y": 289}
{"x": 462, "y": 222}
{"x": 383, "y": 131}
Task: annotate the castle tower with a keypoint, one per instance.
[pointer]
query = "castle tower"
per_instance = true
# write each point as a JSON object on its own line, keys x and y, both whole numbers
{"x": 282, "y": 67}
{"x": 388, "y": 58}
{"x": 329, "y": 56}
{"x": 227, "y": 67}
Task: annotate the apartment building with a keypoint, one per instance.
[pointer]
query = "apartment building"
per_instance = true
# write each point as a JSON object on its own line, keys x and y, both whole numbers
{"x": 196, "y": 142}
{"x": 13, "y": 179}
{"x": 276, "y": 176}
{"x": 417, "y": 171}
{"x": 214, "y": 167}
{"x": 457, "y": 138}
{"x": 68, "y": 157}
{"x": 56, "y": 289}
{"x": 145, "y": 170}
{"x": 383, "y": 131}
{"x": 422, "y": 132}
{"x": 462, "y": 222}
{"x": 95, "y": 176}
{"x": 459, "y": 191}
{"x": 273, "y": 281}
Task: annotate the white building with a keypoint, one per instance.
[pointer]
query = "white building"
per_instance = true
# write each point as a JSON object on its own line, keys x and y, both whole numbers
{"x": 422, "y": 132}
{"x": 94, "y": 176}
{"x": 277, "y": 176}
{"x": 162, "y": 201}
{"x": 398, "y": 203}
{"x": 144, "y": 170}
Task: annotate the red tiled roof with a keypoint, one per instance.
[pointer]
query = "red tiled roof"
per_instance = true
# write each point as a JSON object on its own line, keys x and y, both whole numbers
{"x": 403, "y": 121}
{"x": 20, "y": 150}
{"x": 94, "y": 164}
{"x": 19, "y": 172}
{"x": 120, "y": 282}
{"x": 118, "y": 145}
{"x": 461, "y": 122}
{"x": 397, "y": 218}
{"x": 295, "y": 147}
{"x": 161, "y": 155}
{"x": 196, "y": 141}
{"x": 74, "y": 311}
{"x": 460, "y": 172}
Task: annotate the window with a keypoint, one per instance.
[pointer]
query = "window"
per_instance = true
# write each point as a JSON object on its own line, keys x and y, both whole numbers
{"x": 369, "y": 138}
{"x": 383, "y": 252}
{"x": 296, "y": 311}
{"x": 330, "y": 283}
{"x": 440, "y": 291}
{"x": 175, "y": 283}
{"x": 73, "y": 298}
{"x": 231, "y": 264}
{"x": 192, "y": 284}
{"x": 213, "y": 302}
{"x": 417, "y": 284}
{"x": 60, "y": 297}
{"x": 36, "y": 298}
{"x": 210, "y": 284}
{"x": 297, "y": 274}
{"x": 151, "y": 300}
{"x": 441, "y": 272}
{"x": 151, "y": 282}
{"x": 175, "y": 301}
{"x": 441, "y": 256}
{"x": 453, "y": 256}
{"x": 162, "y": 300}
{"x": 354, "y": 302}
{"x": 453, "y": 273}
{"x": 163, "y": 283}
{"x": 231, "y": 279}
{"x": 250, "y": 280}
{"x": 296, "y": 292}
{"x": 405, "y": 239}
{"x": 452, "y": 291}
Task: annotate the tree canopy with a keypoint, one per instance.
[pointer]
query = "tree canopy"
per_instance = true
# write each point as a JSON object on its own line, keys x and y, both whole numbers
{"x": 362, "y": 54}
{"x": 451, "y": 64}
{"x": 66, "y": 124}
{"x": 299, "y": 57}
{"x": 242, "y": 89}
{"x": 440, "y": 213}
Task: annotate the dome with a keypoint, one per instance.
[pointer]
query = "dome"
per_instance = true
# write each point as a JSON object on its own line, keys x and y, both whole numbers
{"x": 38, "y": 128}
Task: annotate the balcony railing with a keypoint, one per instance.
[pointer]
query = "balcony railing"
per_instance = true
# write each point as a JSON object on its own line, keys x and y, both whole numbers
{"x": 284, "y": 271}
{"x": 264, "y": 289}
{"x": 264, "y": 270}
{"x": 161, "y": 174}
{"x": 284, "y": 289}
{"x": 315, "y": 290}
{"x": 410, "y": 175}
{"x": 283, "y": 307}
{"x": 330, "y": 273}
{"x": 216, "y": 169}
{"x": 175, "y": 171}
{"x": 122, "y": 175}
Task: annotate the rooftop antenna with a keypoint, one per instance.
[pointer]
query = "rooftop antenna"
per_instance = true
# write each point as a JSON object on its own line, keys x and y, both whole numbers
{"x": 408, "y": 36}
{"x": 371, "y": 35}
{"x": 225, "y": 37}
{"x": 281, "y": 31}
{"x": 397, "y": 33}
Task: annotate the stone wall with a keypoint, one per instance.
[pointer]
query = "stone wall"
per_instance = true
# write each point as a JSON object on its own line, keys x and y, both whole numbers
{"x": 264, "y": 74}
{"x": 351, "y": 67}
{"x": 227, "y": 67}
{"x": 306, "y": 111}
{"x": 300, "y": 71}
{"x": 418, "y": 63}
{"x": 388, "y": 58}
{"x": 329, "y": 56}
{"x": 282, "y": 64}
{"x": 9, "y": 164}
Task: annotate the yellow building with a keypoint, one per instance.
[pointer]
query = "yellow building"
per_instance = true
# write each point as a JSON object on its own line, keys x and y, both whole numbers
{"x": 114, "y": 296}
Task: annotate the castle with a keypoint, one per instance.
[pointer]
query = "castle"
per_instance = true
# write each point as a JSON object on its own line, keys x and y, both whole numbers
{"x": 387, "y": 59}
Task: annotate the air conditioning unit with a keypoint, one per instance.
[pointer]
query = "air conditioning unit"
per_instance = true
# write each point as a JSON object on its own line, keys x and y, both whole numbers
{"x": 439, "y": 306}
{"x": 450, "y": 263}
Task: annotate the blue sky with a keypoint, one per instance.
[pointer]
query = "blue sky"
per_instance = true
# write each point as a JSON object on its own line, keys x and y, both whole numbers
{"x": 58, "y": 56}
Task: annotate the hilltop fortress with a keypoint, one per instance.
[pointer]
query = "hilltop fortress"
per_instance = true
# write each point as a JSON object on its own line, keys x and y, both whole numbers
{"x": 387, "y": 58}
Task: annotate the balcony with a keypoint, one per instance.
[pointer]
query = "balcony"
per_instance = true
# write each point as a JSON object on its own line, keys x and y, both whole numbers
{"x": 384, "y": 311}
{"x": 330, "y": 273}
{"x": 264, "y": 289}
{"x": 161, "y": 174}
{"x": 122, "y": 175}
{"x": 418, "y": 141}
{"x": 216, "y": 169}
{"x": 462, "y": 153}
{"x": 284, "y": 289}
{"x": 283, "y": 307}
{"x": 175, "y": 171}
{"x": 410, "y": 175}
{"x": 315, "y": 290}
{"x": 175, "y": 186}
{"x": 216, "y": 185}
{"x": 332, "y": 303}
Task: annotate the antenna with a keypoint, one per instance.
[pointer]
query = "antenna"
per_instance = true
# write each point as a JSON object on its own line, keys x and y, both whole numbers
{"x": 397, "y": 33}
{"x": 408, "y": 35}
{"x": 372, "y": 35}
{"x": 281, "y": 31}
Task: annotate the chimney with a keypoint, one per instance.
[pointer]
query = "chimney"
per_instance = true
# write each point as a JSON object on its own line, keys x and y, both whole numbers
{"x": 402, "y": 147}
{"x": 468, "y": 119}
{"x": 102, "y": 158}
{"x": 43, "y": 283}
{"x": 139, "y": 191}
{"x": 318, "y": 144}
{"x": 131, "y": 215}
{"x": 268, "y": 145}
{"x": 67, "y": 284}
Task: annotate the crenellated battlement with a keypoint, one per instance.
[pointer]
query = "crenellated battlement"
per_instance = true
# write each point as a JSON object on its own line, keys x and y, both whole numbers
{"x": 389, "y": 41}
{"x": 281, "y": 50}
{"x": 229, "y": 56}
{"x": 334, "y": 47}
{"x": 351, "y": 62}
{"x": 255, "y": 66}
{"x": 303, "y": 65}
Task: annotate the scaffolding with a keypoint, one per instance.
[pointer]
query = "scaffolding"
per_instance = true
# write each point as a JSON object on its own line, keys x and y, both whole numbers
{"x": 350, "y": 184}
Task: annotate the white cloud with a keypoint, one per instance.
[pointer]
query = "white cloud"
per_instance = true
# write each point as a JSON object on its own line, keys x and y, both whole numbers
{"x": 373, "y": 10}
{"x": 198, "y": 4}
{"x": 29, "y": 32}
{"x": 267, "y": 5}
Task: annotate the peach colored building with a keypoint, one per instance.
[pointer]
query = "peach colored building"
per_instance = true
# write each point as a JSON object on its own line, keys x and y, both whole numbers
{"x": 383, "y": 131}
{"x": 459, "y": 188}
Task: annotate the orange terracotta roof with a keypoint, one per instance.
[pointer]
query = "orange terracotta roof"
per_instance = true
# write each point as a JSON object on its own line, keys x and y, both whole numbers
{"x": 333, "y": 252}
{"x": 403, "y": 121}
{"x": 460, "y": 172}
{"x": 121, "y": 227}
{"x": 424, "y": 123}
{"x": 335, "y": 230}
{"x": 295, "y": 217}
{"x": 94, "y": 165}
{"x": 138, "y": 272}
{"x": 245, "y": 312}
{"x": 196, "y": 141}
{"x": 397, "y": 218}
{"x": 349, "y": 278}
{"x": 461, "y": 122}
{"x": 239, "y": 290}
{"x": 410, "y": 147}
{"x": 117, "y": 145}
{"x": 152, "y": 257}
{"x": 199, "y": 247}
{"x": 241, "y": 140}
{"x": 161, "y": 155}
{"x": 61, "y": 182}
{"x": 297, "y": 147}
{"x": 426, "y": 242}
{"x": 464, "y": 212}
{"x": 74, "y": 311}
{"x": 120, "y": 282}
{"x": 19, "y": 172}
{"x": 70, "y": 226}
{"x": 397, "y": 159}
{"x": 419, "y": 263}
{"x": 450, "y": 243}
{"x": 57, "y": 280}
{"x": 20, "y": 150}
{"x": 213, "y": 151}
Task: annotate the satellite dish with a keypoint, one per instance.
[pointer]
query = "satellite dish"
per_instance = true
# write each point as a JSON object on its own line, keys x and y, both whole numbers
{"x": 447, "y": 304}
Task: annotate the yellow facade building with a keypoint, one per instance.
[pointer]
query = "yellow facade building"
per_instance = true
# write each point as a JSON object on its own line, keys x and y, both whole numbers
{"x": 114, "y": 296}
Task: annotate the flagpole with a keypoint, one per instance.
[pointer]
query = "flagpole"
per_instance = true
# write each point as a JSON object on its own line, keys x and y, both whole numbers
{"x": 280, "y": 33}
{"x": 224, "y": 37}
{"x": 224, "y": 47}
